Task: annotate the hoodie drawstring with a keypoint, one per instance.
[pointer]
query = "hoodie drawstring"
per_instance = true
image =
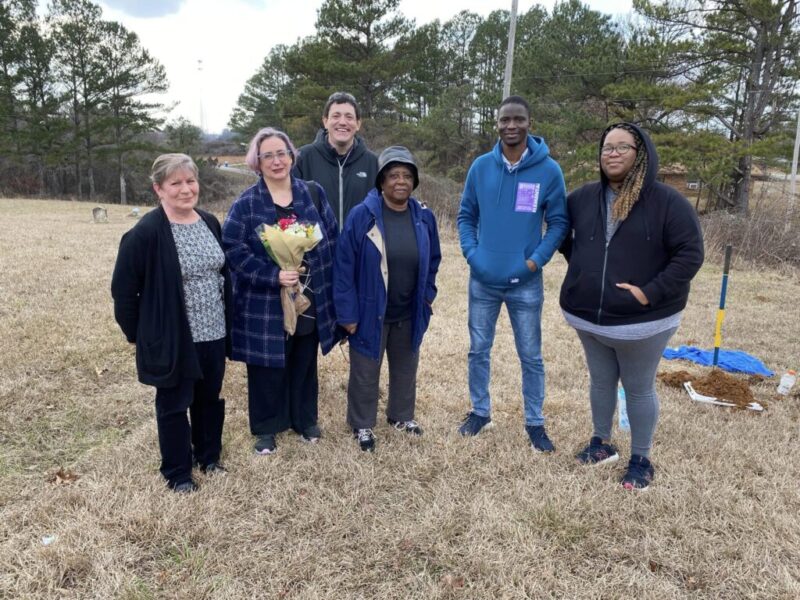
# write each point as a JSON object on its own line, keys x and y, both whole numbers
{"x": 503, "y": 168}
{"x": 598, "y": 215}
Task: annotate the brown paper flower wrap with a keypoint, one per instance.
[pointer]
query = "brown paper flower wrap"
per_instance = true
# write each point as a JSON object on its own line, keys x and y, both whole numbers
{"x": 286, "y": 242}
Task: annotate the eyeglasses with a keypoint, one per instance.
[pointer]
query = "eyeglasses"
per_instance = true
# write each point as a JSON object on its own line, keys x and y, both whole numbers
{"x": 270, "y": 156}
{"x": 621, "y": 149}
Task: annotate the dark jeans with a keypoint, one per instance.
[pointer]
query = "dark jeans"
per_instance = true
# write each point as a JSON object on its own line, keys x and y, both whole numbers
{"x": 362, "y": 390}
{"x": 177, "y": 439}
{"x": 280, "y": 398}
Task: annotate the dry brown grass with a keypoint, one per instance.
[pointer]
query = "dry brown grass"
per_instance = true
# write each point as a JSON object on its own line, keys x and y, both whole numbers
{"x": 441, "y": 517}
{"x": 768, "y": 236}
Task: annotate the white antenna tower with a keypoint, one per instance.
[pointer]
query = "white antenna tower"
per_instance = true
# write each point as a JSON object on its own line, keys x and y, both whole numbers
{"x": 200, "y": 94}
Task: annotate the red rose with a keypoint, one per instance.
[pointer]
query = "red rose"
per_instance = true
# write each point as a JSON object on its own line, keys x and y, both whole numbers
{"x": 284, "y": 223}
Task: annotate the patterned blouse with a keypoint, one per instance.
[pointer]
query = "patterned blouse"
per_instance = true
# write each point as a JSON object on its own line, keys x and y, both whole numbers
{"x": 201, "y": 259}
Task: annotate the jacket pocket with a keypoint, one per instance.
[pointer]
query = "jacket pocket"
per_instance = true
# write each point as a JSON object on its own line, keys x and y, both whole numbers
{"x": 156, "y": 356}
{"x": 620, "y": 302}
{"x": 499, "y": 268}
{"x": 581, "y": 290}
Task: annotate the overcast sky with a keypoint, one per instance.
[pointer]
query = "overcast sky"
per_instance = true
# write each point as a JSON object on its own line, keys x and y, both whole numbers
{"x": 232, "y": 38}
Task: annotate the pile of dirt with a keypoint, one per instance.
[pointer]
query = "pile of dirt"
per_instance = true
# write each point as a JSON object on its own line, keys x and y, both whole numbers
{"x": 725, "y": 387}
{"x": 675, "y": 379}
{"x": 716, "y": 383}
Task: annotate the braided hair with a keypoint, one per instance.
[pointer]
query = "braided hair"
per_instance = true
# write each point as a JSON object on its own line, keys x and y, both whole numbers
{"x": 634, "y": 181}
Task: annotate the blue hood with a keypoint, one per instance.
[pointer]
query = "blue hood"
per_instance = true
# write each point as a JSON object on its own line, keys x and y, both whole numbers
{"x": 537, "y": 152}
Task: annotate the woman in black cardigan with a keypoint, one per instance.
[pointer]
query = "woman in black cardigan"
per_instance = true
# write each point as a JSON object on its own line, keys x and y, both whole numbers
{"x": 171, "y": 293}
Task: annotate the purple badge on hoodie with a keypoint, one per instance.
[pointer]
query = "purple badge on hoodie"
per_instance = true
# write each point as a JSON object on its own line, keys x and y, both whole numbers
{"x": 527, "y": 197}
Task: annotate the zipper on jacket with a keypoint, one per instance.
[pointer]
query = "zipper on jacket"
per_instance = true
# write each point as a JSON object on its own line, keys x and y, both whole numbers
{"x": 341, "y": 196}
{"x": 341, "y": 164}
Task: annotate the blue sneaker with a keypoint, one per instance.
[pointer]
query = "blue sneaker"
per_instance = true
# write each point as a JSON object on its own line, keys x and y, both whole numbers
{"x": 640, "y": 473}
{"x": 473, "y": 424}
{"x": 597, "y": 453}
{"x": 539, "y": 440}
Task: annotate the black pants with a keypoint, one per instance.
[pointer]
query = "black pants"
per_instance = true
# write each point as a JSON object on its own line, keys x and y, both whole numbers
{"x": 179, "y": 441}
{"x": 362, "y": 390}
{"x": 280, "y": 398}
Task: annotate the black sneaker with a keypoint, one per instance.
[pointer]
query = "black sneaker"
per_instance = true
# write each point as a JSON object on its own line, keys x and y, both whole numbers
{"x": 473, "y": 424}
{"x": 640, "y": 473}
{"x": 311, "y": 434}
{"x": 597, "y": 453}
{"x": 539, "y": 440}
{"x": 186, "y": 487}
{"x": 213, "y": 468}
{"x": 366, "y": 439}
{"x": 265, "y": 444}
{"x": 411, "y": 427}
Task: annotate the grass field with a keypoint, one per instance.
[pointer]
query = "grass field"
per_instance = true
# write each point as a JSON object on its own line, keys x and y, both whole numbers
{"x": 439, "y": 517}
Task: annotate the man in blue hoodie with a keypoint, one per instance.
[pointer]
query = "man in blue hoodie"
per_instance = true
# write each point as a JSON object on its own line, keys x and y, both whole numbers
{"x": 509, "y": 194}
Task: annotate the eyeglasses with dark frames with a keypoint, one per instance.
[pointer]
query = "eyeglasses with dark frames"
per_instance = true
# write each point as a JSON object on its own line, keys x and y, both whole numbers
{"x": 621, "y": 149}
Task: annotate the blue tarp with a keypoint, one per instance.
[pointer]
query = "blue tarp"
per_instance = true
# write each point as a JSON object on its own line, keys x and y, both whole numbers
{"x": 735, "y": 361}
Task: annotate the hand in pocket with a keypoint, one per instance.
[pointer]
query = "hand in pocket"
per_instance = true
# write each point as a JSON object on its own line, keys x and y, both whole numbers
{"x": 636, "y": 291}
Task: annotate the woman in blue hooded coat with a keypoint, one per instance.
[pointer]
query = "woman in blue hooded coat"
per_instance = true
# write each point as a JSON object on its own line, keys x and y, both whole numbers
{"x": 387, "y": 257}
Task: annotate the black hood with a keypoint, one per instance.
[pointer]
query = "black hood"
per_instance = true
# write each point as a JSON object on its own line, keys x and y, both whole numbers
{"x": 652, "y": 155}
{"x": 322, "y": 135}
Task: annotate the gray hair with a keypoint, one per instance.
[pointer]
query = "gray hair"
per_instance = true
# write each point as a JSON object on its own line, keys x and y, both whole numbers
{"x": 166, "y": 164}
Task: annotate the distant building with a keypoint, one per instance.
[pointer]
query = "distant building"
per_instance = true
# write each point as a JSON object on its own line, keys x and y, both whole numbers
{"x": 679, "y": 177}
{"x": 688, "y": 184}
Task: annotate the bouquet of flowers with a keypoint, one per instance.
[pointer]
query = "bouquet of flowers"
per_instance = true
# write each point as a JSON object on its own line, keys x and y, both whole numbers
{"x": 286, "y": 242}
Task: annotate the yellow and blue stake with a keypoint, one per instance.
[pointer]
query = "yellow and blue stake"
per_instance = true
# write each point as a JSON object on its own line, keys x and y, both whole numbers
{"x": 721, "y": 311}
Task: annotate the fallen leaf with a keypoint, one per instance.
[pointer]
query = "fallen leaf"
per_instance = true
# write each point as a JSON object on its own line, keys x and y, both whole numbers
{"x": 63, "y": 476}
{"x": 453, "y": 581}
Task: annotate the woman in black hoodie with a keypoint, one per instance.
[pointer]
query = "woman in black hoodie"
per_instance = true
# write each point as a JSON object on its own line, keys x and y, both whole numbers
{"x": 635, "y": 246}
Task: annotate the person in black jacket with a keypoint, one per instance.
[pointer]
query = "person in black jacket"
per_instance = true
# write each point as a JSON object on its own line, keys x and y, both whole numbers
{"x": 171, "y": 291}
{"x": 338, "y": 159}
{"x": 635, "y": 246}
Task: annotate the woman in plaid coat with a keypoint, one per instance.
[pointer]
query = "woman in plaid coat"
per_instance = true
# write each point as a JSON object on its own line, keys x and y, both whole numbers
{"x": 281, "y": 369}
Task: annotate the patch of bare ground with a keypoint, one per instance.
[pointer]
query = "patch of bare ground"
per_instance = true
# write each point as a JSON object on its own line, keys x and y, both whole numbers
{"x": 715, "y": 383}
{"x": 84, "y": 513}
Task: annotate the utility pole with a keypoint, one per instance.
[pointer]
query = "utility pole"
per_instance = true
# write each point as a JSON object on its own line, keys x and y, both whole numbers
{"x": 793, "y": 184}
{"x": 512, "y": 31}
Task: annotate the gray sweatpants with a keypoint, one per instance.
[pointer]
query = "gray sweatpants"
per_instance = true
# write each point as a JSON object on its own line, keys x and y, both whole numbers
{"x": 635, "y": 363}
{"x": 362, "y": 389}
